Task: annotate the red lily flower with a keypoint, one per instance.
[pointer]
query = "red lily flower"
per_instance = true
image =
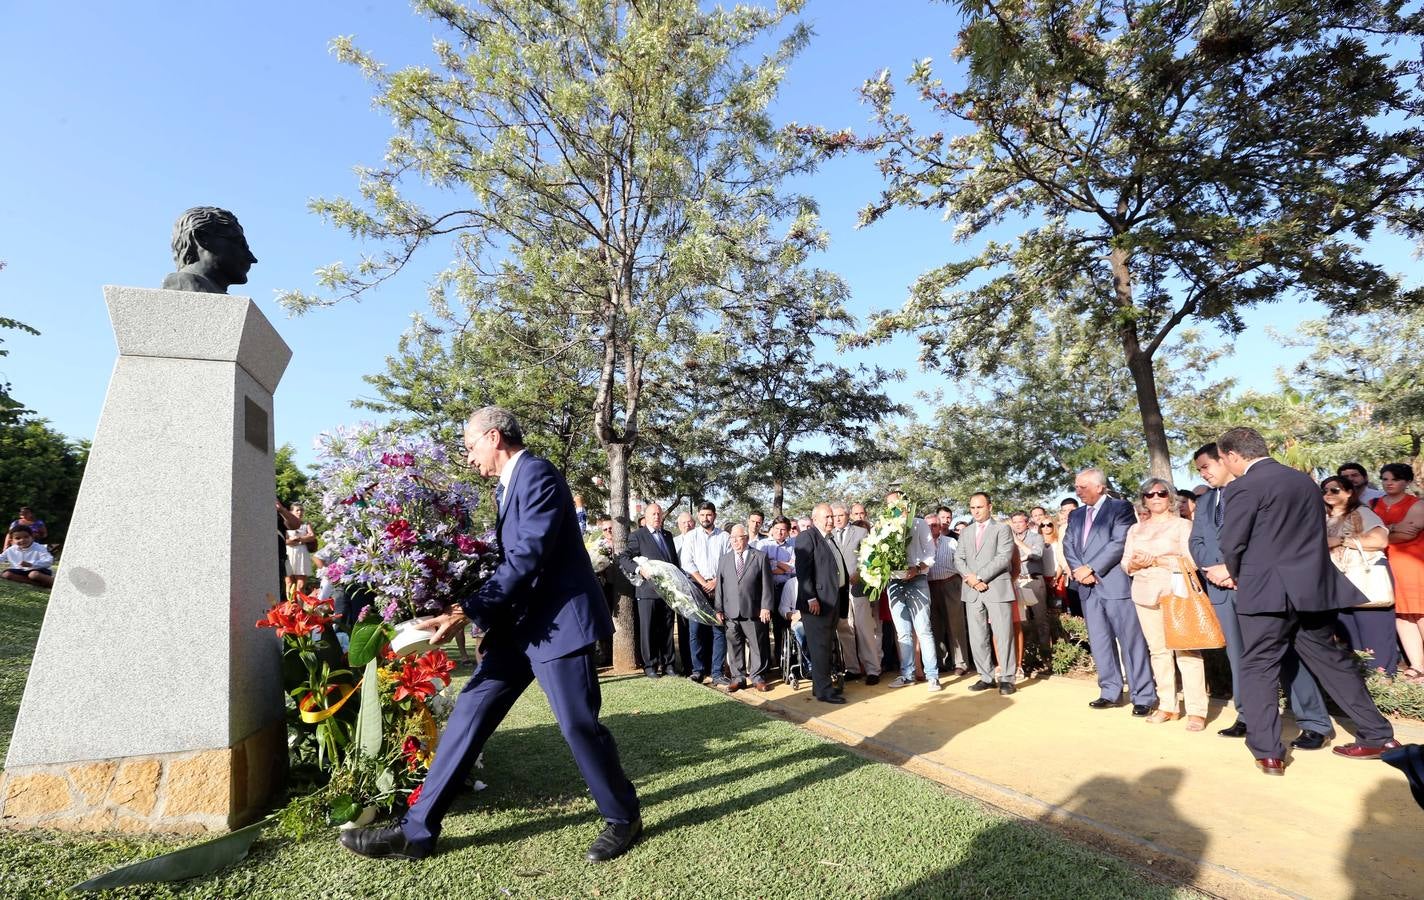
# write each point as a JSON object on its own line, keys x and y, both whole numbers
{"x": 414, "y": 796}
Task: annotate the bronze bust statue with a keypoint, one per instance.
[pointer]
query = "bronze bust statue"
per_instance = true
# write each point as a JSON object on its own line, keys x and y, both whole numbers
{"x": 210, "y": 252}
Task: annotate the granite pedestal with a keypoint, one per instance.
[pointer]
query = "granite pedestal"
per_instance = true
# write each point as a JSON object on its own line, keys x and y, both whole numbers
{"x": 153, "y": 703}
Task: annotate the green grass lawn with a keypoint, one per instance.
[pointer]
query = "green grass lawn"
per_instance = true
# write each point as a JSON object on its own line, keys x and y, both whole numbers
{"x": 734, "y": 804}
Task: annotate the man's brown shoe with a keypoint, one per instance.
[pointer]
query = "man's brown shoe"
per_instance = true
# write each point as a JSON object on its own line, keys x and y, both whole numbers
{"x": 1271, "y": 766}
{"x": 1361, "y": 751}
{"x": 762, "y": 686}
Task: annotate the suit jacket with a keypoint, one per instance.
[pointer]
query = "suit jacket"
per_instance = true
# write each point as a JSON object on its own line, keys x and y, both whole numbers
{"x": 1205, "y": 545}
{"x": 990, "y": 561}
{"x": 1104, "y": 549}
{"x": 816, "y": 575}
{"x": 849, "y": 543}
{"x": 641, "y": 543}
{"x": 1273, "y": 544}
{"x": 747, "y": 596}
{"x": 544, "y": 596}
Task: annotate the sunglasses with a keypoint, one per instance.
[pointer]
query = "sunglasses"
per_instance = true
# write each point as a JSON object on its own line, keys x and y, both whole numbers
{"x": 1148, "y": 495}
{"x": 1334, "y": 490}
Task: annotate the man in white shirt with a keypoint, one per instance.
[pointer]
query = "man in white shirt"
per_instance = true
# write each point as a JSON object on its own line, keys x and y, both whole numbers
{"x": 1356, "y": 475}
{"x": 701, "y": 551}
{"x": 909, "y": 598}
{"x": 947, "y": 612}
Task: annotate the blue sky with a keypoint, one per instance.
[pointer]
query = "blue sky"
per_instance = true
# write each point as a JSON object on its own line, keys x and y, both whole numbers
{"x": 120, "y": 116}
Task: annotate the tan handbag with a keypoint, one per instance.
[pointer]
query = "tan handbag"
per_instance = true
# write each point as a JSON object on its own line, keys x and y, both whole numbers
{"x": 1189, "y": 621}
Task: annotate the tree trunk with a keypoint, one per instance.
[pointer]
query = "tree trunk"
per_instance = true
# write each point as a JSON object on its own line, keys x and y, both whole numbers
{"x": 778, "y": 495}
{"x": 1159, "y": 455}
{"x": 624, "y": 637}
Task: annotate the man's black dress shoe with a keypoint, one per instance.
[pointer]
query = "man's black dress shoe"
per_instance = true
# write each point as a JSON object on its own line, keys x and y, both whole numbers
{"x": 652, "y": 673}
{"x": 872, "y": 679}
{"x": 614, "y": 841}
{"x": 1309, "y": 740}
{"x": 852, "y": 676}
{"x": 833, "y": 698}
{"x": 1237, "y": 730}
{"x": 1141, "y": 711}
{"x": 1006, "y": 688}
{"x": 695, "y": 678}
{"x": 382, "y": 842}
{"x": 982, "y": 685}
{"x": 1102, "y": 703}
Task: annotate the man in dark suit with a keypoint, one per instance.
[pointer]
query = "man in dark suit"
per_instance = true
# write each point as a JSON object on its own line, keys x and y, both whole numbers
{"x": 655, "y": 617}
{"x": 1307, "y": 702}
{"x": 823, "y": 579}
{"x": 1288, "y": 592}
{"x": 743, "y": 601}
{"x": 542, "y": 610}
{"x": 1093, "y": 544}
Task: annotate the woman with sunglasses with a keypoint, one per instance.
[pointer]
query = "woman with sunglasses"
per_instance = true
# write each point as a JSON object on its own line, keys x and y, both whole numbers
{"x": 1055, "y": 569}
{"x": 1352, "y": 529}
{"x": 1155, "y": 550}
{"x": 1403, "y": 514}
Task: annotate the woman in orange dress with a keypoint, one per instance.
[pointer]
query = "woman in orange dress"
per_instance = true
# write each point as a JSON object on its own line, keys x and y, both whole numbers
{"x": 1403, "y": 513}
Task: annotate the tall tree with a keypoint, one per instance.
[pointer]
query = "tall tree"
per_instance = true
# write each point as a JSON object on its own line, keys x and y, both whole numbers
{"x": 291, "y": 480}
{"x": 1172, "y": 160}
{"x": 785, "y": 413}
{"x": 1367, "y": 367}
{"x": 40, "y": 468}
{"x": 606, "y": 156}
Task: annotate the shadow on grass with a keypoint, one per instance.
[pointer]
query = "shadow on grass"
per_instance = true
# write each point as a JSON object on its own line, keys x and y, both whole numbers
{"x": 700, "y": 760}
{"x": 1014, "y": 857}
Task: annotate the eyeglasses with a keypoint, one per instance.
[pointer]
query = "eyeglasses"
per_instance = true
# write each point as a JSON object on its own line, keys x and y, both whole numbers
{"x": 1148, "y": 495}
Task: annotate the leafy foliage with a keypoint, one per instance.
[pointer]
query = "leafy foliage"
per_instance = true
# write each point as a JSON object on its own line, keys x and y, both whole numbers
{"x": 1173, "y": 162}
{"x": 40, "y": 468}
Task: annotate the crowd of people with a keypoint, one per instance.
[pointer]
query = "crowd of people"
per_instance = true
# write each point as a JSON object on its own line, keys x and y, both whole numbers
{"x": 1302, "y": 577}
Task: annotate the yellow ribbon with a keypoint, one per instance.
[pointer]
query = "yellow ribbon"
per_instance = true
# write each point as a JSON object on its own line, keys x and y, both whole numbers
{"x": 311, "y": 718}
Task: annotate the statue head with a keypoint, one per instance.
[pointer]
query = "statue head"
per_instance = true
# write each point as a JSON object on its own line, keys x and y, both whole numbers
{"x": 209, "y": 250}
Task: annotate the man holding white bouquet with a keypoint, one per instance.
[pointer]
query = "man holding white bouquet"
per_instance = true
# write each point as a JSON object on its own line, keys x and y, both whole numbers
{"x": 909, "y": 593}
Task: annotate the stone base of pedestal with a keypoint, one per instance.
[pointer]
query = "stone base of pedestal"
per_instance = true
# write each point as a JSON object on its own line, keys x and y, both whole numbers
{"x": 181, "y": 793}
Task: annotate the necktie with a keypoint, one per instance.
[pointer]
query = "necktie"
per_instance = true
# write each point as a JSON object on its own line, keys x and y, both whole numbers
{"x": 979, "y": 535}
{"x": 498, "y": 498}
{"x": 1087, "y": 527}
{"x": 658, "y": 539}
{"x": 741, "y": 563}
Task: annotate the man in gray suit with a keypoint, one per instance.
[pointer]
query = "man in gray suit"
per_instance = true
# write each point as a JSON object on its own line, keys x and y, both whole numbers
{"x": 982, "y": 557}
{"x": 859, "y": 632}
{"x": 1307, "y": 703}
{"x": 743, "y": 603}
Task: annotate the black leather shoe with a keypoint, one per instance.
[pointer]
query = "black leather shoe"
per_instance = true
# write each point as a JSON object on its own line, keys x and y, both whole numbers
{"x": 651, "y": 673}
{"x": 1102, "y": 703}
{"x": 1141, "y": 711}
{"x": 982, "y": 685}
{"x": 382, "y": 842}
{"x": 1309, "y": 740}
{"x": 614, "y": 841}
{"x": 852, "y": 676}
{"x": 695, "y": 678}
{"x": 872, "y": 679}
{"x": 834, "y": 698}
{"x": 1237, "y": 730}
{"x": 1006, "y": 688}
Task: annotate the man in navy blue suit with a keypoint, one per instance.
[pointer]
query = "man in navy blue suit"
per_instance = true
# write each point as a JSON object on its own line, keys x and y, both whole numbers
{"x": 542, "y": 611}
{"x": 1093, "y": 544}
{"x": 1288, "y": 594}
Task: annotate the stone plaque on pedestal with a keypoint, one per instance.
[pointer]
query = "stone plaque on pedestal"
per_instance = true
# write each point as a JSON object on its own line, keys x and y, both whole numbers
{"x": 153, "y": 703}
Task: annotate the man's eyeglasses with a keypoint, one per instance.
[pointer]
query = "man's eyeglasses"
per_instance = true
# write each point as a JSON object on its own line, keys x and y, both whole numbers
{"x": 1148, "y": 495}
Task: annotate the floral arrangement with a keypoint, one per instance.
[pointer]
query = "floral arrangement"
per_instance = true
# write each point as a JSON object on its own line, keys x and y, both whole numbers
{"x": 600, "y": 551}
{"x": 399, "y": 514}
{"x": 673, "y": 585}
{"x": 884, "y": 553}
{"x": 371, "y": 738}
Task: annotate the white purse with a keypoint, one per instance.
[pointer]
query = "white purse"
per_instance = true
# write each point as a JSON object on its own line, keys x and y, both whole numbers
{"x": 1372, "y": 579}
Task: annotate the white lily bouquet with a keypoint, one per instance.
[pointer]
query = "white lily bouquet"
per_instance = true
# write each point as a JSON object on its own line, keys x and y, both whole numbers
{"x": 885, "y": 552}
{"x": 673, "y": 585}
{"x": 600, "y": 552}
